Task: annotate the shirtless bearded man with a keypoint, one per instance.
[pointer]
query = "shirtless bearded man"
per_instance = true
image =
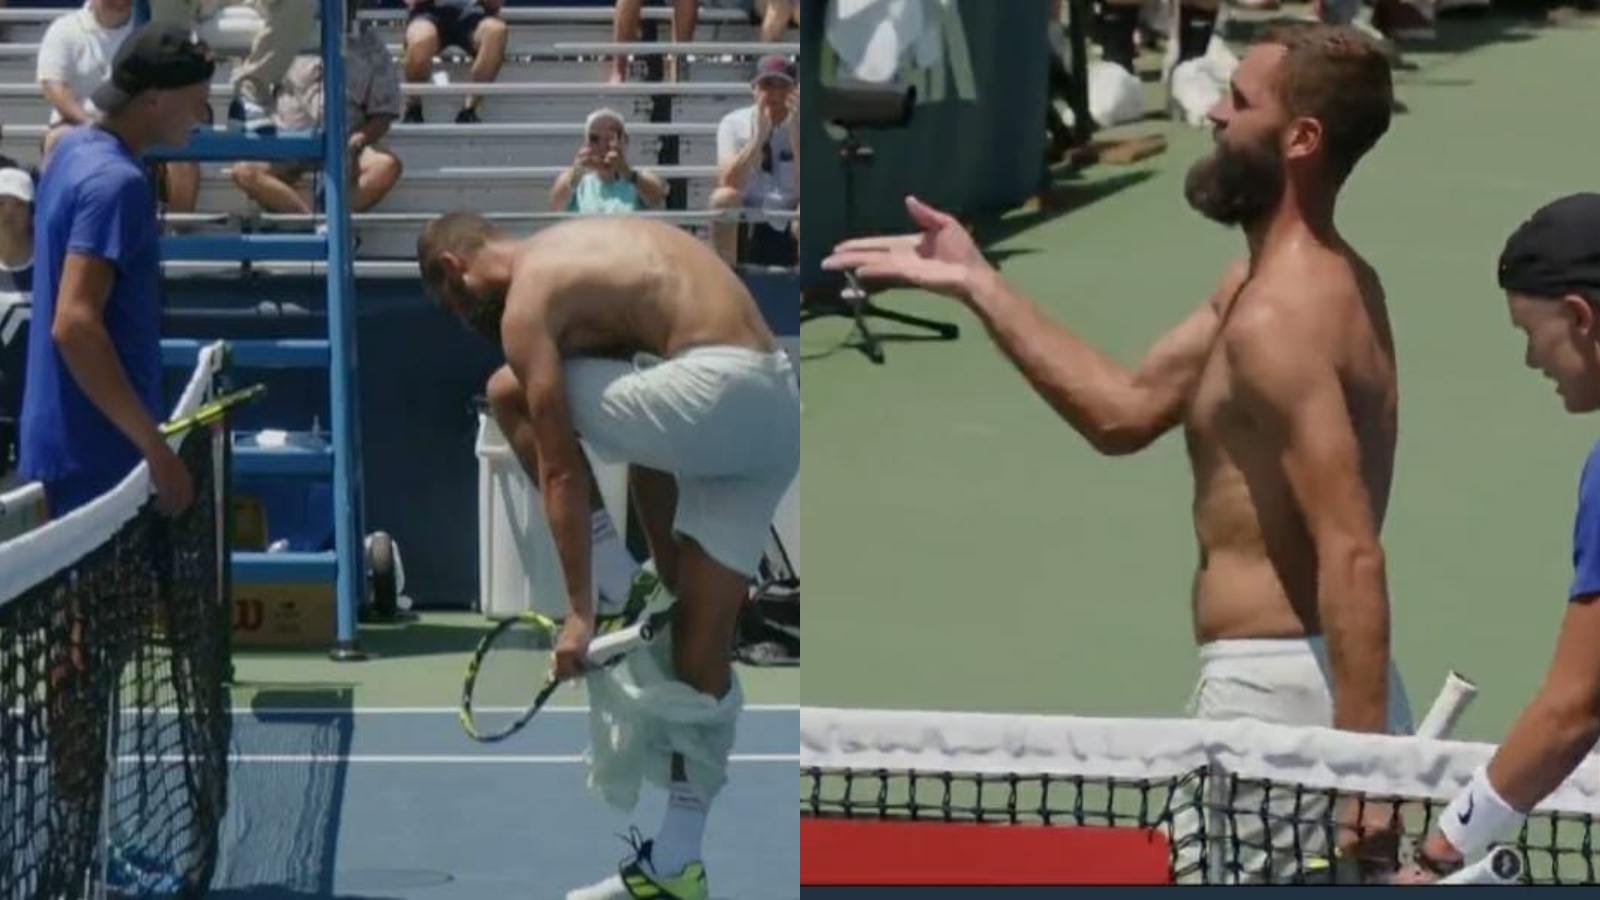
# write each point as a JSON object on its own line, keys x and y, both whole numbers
{"x": 1284, "y": 383}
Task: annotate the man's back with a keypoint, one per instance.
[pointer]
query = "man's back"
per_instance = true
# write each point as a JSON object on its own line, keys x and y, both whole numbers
{"x": 620, "y": 285}
{"x": 1324, "y": 309}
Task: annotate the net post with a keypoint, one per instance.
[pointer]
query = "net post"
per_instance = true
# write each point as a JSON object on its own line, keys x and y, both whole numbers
{"x": 1216, "y": 819}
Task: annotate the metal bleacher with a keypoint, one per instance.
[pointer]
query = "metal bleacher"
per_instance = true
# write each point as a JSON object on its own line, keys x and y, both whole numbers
{"x": 533, "y": 113}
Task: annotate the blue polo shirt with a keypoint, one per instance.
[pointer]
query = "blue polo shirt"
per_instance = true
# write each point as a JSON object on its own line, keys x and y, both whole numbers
{"x": 94, "y": 199}
{"x": 1586, "y": 531}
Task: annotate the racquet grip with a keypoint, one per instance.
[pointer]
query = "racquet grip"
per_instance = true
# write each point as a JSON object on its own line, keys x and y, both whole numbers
{"x": 1501, "y": 865}
{"x": 1453, "y": 700}
{"x": 607, "y": 647}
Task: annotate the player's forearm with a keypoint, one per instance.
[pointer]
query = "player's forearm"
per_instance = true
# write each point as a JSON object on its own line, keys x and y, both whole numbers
{"x": 652, "y": 188}
{"x": 61, "y": 97}
{"x": 561, "y": 190}
{"x": 1096, "y": 396}
{"x": 566, "y": 504}
{"x": 736, "y": 171}
{"x": 1544, "y": 746}
{"x": 1354, "y": 607}
{"x": 90, "y": 356}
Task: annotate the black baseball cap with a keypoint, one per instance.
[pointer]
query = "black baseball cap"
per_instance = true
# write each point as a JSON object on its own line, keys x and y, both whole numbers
{"x": 1557, "y": 251}
{"x": 157, "y": 55}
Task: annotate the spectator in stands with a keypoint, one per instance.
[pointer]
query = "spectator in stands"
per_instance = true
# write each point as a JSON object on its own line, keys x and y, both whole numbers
{"x": 285, "y": 28}
{"x": 16, "y": 232}
{"x": 16, "y": 292}
{"x": 601, "y": 181}
{"x": 75, "y": 58}
{"x": 372, "y": 101}
{"x": 776, "y": 17}
{"x": 625, "y": 28}
{"x": 473, "y": 25}
{"x": 758, "y": 156}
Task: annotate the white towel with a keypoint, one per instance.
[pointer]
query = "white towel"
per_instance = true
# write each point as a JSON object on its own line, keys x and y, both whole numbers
{"x": 640, "y": 715}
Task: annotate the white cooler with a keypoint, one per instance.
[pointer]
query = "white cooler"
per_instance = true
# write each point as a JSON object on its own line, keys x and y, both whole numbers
{"x": 518, "y": 568}
{"x": 517, "y": 565}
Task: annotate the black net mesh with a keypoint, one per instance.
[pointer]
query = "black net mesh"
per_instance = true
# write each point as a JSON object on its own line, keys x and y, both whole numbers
{"x": 114, "y": 715}
{"x": 1220, "y": 827}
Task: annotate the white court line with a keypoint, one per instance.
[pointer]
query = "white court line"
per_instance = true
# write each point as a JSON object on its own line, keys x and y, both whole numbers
{"x": 493, "y": 759}
{"x": 414, "y": 759}
{"x": 413, "y": 710}
{"x": 453, "y": 710}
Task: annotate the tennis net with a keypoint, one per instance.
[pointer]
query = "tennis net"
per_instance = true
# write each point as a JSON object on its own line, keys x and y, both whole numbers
{"x": 896, "y": 797}
{"x": 114, "y": 718}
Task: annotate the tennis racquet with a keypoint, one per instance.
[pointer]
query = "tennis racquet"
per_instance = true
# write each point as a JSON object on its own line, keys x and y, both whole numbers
{"x": 518, "y": 654}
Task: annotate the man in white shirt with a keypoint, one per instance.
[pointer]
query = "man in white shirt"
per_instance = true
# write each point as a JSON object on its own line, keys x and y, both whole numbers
{"x": 372, "y": 102}
{"x": 758, "y": 154}
{"x": 74, "y": 59}
{"x": 286, "y": 27}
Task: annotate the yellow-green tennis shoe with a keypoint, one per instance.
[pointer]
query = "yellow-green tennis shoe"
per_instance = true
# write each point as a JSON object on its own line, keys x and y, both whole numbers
{"x": 638, "y": 880}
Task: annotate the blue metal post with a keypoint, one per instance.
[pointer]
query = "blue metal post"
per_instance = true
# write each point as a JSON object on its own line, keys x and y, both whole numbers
{"x": 347, "y": 498}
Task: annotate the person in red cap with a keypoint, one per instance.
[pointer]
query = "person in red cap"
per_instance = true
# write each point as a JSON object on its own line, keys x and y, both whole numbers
{"x": 1550, "y": 271}
{"x": 758, "y": 154}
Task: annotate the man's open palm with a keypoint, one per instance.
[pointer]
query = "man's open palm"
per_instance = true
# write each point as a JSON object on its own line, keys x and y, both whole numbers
{"x": 941, "y": 258}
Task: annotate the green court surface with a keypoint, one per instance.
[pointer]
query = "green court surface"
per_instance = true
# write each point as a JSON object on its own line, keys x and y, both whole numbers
{"x": 971, "y": 552}
{"x": 420, "y": 664}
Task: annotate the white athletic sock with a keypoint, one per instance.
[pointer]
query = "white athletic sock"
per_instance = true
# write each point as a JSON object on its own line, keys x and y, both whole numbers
{"x": 613, "y": 566}
{"x": 678, "y": 842}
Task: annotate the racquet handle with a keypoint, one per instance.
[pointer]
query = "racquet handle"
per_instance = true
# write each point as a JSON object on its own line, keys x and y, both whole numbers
{"x": 608, "y": 647}
{"x": 1501, "y": 865}
{"x": 1453, "y": 700}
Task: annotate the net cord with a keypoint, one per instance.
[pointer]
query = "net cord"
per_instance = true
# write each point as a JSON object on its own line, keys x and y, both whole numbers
{"x": 1058, "y": 746}
{"x": 30, "y": 558}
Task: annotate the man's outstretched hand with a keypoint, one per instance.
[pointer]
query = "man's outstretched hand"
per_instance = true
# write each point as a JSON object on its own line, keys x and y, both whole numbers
{"x": 942, "y": 258}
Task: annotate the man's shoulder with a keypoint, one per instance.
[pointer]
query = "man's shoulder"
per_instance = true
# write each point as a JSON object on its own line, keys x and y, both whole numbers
{"x": 87, "y": 165}
{"x": 102, "y": 168}
{"x": 1590, "y": 483}
{"x": 739, "y": 117}
{"x": 66, "y": 27}
{"x": 1304, "y": 292}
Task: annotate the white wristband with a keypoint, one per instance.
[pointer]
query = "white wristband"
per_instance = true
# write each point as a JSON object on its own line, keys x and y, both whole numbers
{"x": 1478, "y": 817}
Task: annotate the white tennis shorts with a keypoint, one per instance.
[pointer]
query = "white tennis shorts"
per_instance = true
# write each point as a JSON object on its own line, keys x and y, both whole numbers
{"x": 1270, "y": 834}
{"x": 725, "y": 421}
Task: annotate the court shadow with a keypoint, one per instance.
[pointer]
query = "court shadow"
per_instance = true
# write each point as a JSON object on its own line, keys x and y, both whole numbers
{"x": 274, "y": 892}
{"x": 419, "y": 638}
{"x": 398, "y": 640}
{"x": 1457, "y": 30}
{"x": 286, "y": 792}
{"x": 1069, "y": 192}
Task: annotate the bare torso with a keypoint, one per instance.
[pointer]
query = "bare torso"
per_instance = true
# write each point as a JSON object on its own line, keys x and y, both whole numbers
{"x": 1257, "y": 569}
{"x": 621, "y": 286}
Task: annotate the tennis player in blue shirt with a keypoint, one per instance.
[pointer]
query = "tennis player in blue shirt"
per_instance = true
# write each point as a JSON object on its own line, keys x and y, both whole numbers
{"x": 92, "y": 396}
{"x": 1550, "y": 271}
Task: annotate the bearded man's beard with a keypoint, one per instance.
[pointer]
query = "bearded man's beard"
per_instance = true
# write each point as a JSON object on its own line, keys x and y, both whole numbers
{"x": 1236, "y": 186}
